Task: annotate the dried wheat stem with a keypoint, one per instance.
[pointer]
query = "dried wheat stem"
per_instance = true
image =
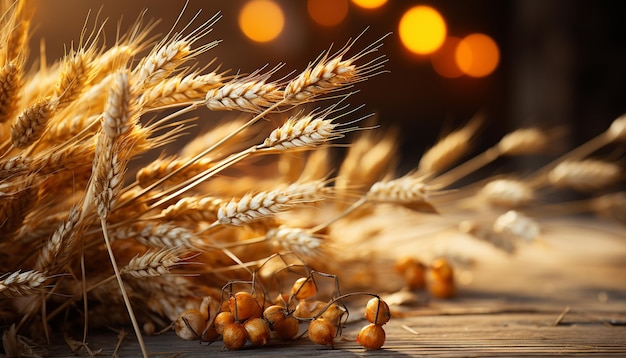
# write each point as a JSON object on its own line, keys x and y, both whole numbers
{"x": 588, "y": 174}
{"x": 19, "y": 284}
{"x": 611, "y": 205}
{"x": 449, "y": 149}
{"x": 10, "y": 84}
{"x": 152, "y": 263}
{"x": 120, "y": 283}
{"x": 249, "y": 94}
{"x": 30, "y": 125}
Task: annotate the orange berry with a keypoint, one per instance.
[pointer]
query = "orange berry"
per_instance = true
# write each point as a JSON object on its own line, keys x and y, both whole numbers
{"x": 441, "y": 288}
{"x": 371, "y": 337}
{"x": 322, "y": 331}
{"x": 287, "y": 329}
{"x": 274, "y": 314}
{"x": 234, "y": 336}
{"x": 222, "y": 320}
{"x": 258, "y": 331}
{"x": 243, "y": 305}
{"x": 190, "y": 324}
{"x": 304, "y": 288}
{"x": 441, "y": 269}
{"x": 377, "y": 311}
{"x": 402, "y": 264}
{"x": 413, "y": 272}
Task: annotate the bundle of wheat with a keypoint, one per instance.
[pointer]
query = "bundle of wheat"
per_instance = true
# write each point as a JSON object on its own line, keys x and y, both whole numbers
{"x": 82, "y": 241}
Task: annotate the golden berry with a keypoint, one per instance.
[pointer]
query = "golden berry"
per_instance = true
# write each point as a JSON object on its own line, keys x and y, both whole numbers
{"x": 274, "y": 314}
{"x": 322, "y": 331}
{"x": 223, "y": 319}
{"x": 234, "y": 336}
{"x": 287, "y": 329}
{"x": 441, "y": 288}
{"x": 371, "y": 337}
{"x": 243, "y": 305}
{"x": 258, "y": 331}
{"x": 377, "y": 311}
{"x": 190, "y": 324}
{"x": 304, "y": 288}
{"x": 441, "y": 269}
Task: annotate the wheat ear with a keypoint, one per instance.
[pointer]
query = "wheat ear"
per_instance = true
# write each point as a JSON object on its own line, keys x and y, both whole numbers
{"x": 152, "y": 263}
{"x": 30, "y": 125}
{"x": 585, "y": 175}
{"x": 10, "y": 84}
{"x": 508, "y": 193}
{"x": 19, "y": 284}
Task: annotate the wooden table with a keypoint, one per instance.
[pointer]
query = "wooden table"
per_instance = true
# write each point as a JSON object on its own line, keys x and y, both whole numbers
{"x": 565, "y": 295}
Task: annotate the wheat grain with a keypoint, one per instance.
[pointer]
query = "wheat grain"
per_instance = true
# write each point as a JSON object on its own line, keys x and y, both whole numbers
{"x": 157, "y": 234}
{"x": 406, "y": 189}
{"x": 152, "y": 264}
{"x": 180, "y": 90}
{"x": 301, "y": 131}
{"x": 585, "y": 175}
{"x": 524, "y": 141}
{"x": 508, "y": 193}
{"x": 449, "y": 149}
{"x": 193, "y": 209}
{"x": 74, "y": 76}
{"x": 251, "y": 207}
{"x": 300, "y": 241}
{"x": 330, "y": 73}
{"x": 617, "y": 130}
{"x": 18, "y": 284}
{"x": 248, "y": 94}
{"x": 14, "y": 210}
{"x": 517, "y": 224}
{"x": 10, "y": 83}
{"x": 171, "y": 168}
{"x": 30, "y": 125}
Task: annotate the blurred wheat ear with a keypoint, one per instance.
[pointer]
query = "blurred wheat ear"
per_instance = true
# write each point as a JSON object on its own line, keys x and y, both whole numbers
{"x": 81, "y": 238}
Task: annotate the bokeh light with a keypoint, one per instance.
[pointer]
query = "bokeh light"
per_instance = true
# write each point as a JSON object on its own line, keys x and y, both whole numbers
{"x": 422, "y": 29}
{"x": 328, "y": 12}
{"x": 477, "y": 55}
{"x": 444, "y": 60}
{"x": 261, "y": 20}
{"x": 369, "y": 4}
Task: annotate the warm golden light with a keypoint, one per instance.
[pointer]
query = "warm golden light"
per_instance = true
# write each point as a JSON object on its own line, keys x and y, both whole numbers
{"x": 422, "y": 29}
{"x": 444, "y": 61}
{"x": 328, "y": 12}
{"x": 477, "y": 55}
{"x": 369, "y": 4}
{"x": 261, "y": 20}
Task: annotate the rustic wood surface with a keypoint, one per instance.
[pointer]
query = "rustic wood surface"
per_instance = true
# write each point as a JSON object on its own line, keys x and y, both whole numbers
{"x": 565, "y": 295}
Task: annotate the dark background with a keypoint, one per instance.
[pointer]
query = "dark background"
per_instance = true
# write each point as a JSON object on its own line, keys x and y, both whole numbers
{"x": 562, "y": 62}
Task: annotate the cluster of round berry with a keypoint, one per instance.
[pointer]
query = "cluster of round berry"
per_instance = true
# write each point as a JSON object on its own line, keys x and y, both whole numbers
{"x": 437, "y": 278}
{"x": 248, "y": 317}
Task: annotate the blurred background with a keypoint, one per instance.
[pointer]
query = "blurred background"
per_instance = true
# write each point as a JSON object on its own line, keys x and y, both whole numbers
{"x": 520, "y": 62}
